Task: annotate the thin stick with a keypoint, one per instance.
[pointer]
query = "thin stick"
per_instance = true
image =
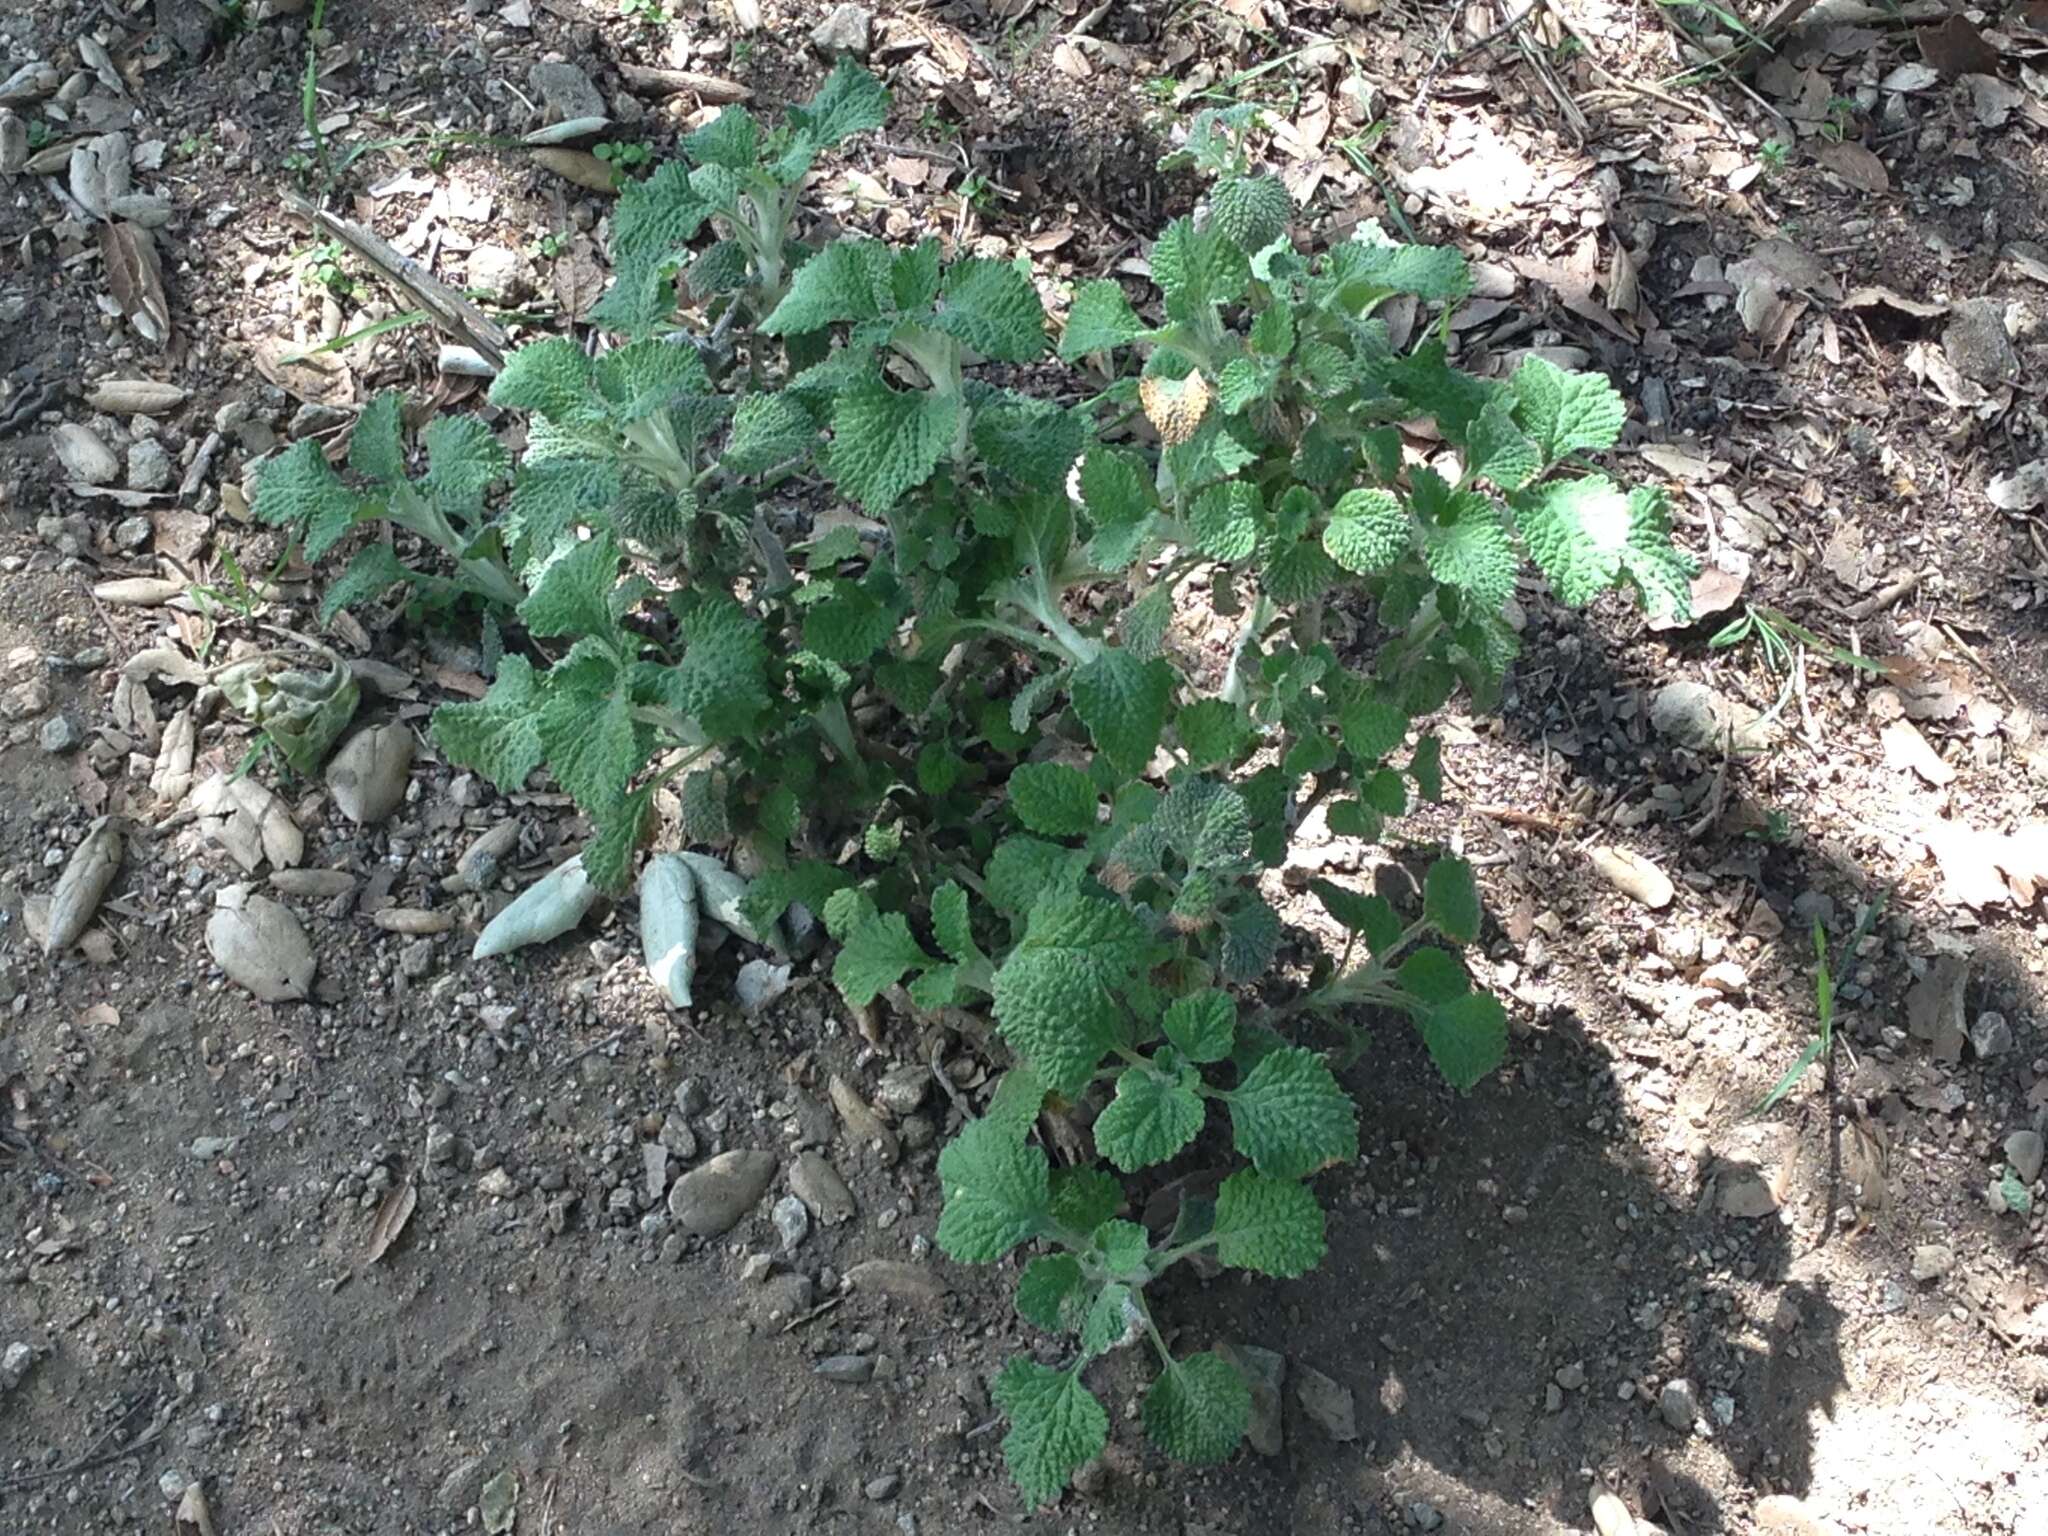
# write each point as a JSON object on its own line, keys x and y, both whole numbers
{"x": 1609, "y": 77}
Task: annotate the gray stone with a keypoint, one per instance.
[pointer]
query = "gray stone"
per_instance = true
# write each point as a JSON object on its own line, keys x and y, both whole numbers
{"x": 792, "y": 1222}
{"x": 710, "y": 1200}
{"x": 497, "y": 1184}
{"x": 416, "y": 959}
{"x": 781, "y": 1298}
{"x": 1977, "y": 343}
{"x": 83, "y": 455}
{"x": 654, "y": 1163}
{"x": 60, "y": 734}
{"x": 313, "y": 418}
{"x": 1679, "y": 1402}
{"x": 1571, "y": 1377}
{"x": 149, "y": 467}
{"x": 691, "y": 1098}
{"x": 25, "y": 700}
{"x": 1424, "y": 1516}
{"x": 1990, "y": 1034}
{"x": 131, "y": 533}
{"x": 677, "y": 1136}
{"x": 883, "y": 1487}
{"x": 14, "y": 1365}
{"x": 496, "y": 273}
{"x": 172, "y": 1482}
{"x": 850, "y": 29}
{"x": 2023, "y": 1155}
{"x": 1328, "y": 1404}
{"x": 1933, "y": 1260}
{"x": 818, "y": 1185}
{"x": 1705, "y": 719}
{"x": 566, "y": 91}
{"x": 850, "y": 1370}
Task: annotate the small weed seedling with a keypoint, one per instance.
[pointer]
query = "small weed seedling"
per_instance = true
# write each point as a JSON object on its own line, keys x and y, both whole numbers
{"x": 1824, "y": 999}
{"x": 956, "y": 729}
{"x": 1774, "y": 155}
{"x": 624, "y": 157}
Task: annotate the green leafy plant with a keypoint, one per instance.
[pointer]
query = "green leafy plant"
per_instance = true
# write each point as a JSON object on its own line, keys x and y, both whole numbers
{"x": 1047, "y": 801}
{"x": 1773, "y": 155}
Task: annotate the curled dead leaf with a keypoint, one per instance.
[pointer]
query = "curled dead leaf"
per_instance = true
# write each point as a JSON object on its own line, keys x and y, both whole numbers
{"x": 581, "y": 167}
{"x": 392, "y": 1214}
{"x": 261, "y": 945}
{"x": 135, "y": 278}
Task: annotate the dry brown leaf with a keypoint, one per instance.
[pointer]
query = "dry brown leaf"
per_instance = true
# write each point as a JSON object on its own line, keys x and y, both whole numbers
{"x": 322, "y": 379}
{"x": 1048, "y": 240}
{"x": 578, "y": 282}
{"x": 1956, "y": 48}
{"x": 581, "y": 167}
{"x": 908, "y": 170}
{"x": 392, "y": 1215}
{"x": 136, "y": 279}
{"x": 1972, "y": 863}
{"x": 1873, "y": 295}
{"x": 1906, "y": 749}
{"x": 1855, "y": 165}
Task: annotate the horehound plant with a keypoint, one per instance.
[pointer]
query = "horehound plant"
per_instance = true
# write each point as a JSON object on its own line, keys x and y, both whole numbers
{"x": 1043, "y": 802}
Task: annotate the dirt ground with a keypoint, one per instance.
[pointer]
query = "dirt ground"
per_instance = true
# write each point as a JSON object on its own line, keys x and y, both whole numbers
{"x": 1856, "y": 1324}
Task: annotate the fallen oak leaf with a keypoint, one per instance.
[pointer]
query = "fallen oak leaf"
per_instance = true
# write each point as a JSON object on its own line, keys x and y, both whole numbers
{"x": 392, "y": 1215}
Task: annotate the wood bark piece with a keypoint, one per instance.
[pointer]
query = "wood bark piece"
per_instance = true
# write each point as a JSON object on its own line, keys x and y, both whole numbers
{"x": 649, "y": 81}
{"x": 448, "y": 309}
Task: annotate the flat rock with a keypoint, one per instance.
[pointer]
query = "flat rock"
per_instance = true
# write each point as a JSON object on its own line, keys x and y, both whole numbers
{"x": 852, "y": 1370}
{"x": 1976, "y": 341}
{"x": 782, "y": 1297}
{"x": 1634, "y": 876}
{"x": 1746, "y": 1194}
{"x": 1706, "y": 720}
{"x": 1679, "y": 1402}
{"x": 711, "y": 1200}
{"x": 84, "y": 456}
{"x": 850, "y": 29}
{"x": 1933, "y": 1260}
{"x": 149, "y": 466}
{"x": 1328, "y": 1403}
{"x": 566, "y": 91}
{"x": 496, "y": 272}
{"x": 818, "y": 1185}
{"x": 2023, "y": 1155}
{"x": 1990, "y": 1034}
